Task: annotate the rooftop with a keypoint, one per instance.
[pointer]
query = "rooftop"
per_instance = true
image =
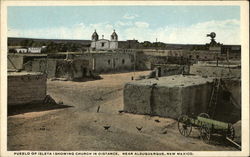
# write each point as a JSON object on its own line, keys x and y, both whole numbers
{"x": 27, "y": 54}
{"x": 24, "y": 73}
{"x": 175, "y": 81}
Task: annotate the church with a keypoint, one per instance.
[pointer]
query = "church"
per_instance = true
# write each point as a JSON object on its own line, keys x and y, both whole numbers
{"x": 112, "y": 44}
{"x": 104, "y": 44}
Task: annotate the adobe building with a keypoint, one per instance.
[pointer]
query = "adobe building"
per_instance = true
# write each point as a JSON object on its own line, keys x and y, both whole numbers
{"x": 168, "y": 96}
{"x": 220, "y": 70}
{"x": 106, "y": 61}
{"x": 70, "y": 69}
{"x": 175, "y": 95}
{"x": 17, "y": 61}
{"x": 26, "y": 88}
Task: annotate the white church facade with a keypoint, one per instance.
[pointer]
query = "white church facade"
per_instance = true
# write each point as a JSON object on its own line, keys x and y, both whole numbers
{"x": 104, "y": 44}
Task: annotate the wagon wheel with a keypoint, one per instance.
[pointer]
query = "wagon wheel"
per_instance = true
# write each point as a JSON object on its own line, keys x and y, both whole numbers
{"x": 204, "y": 115}
{"x": 230, "y": 132}
{"x": 184, "y": 125}
{"x": 205, "y": 133}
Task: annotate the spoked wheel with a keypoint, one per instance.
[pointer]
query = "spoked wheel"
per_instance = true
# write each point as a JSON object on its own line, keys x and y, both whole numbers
{"x": 204, "y": 115}
{"x": 230, "y": 132}
{"x": 184, "y": 125}
{"x": 205, "y": 133}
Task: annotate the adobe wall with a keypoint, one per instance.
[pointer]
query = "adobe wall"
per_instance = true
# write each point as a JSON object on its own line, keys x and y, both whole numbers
{"x": 39, "y": 65}
{"x": 71, "y": 69}
{"x": 171, "y": 97}
{"x": 214, "y": 71}
{"x": 15, "y": 62}
{"x": 148, "y": 57}
{"x": 220, "y": 62}
{"x": 146, "y": 61}
{"x": 199, "y": 55}
{"x": 26, "y": 88}
{"x": 171, "y": 69}
{"x": 229, "y": 104}
{"x": 109, "y": 61}
{"x": 22, "y": 61}
{"x": 51, "y": 71}
{"x": 234, "y": 87}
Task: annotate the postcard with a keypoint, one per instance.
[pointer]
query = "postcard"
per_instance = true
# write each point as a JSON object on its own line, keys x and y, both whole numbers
{"x": 124, "y": 78}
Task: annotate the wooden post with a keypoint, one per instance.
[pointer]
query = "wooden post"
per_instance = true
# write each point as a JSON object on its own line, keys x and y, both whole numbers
{"x": 217, "y": 60}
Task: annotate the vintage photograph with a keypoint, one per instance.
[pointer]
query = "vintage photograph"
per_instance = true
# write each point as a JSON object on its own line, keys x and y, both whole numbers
{"x": 124, "y": 78}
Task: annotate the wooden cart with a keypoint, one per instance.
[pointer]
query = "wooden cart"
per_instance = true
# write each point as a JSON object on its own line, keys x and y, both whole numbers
{"x": 207, "y": 127}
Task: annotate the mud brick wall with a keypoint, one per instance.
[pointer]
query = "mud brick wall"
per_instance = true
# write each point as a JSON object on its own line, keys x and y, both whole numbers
{"x": 213, "y": 71}
{"x": 26, "y": 88}
{"x": 229, "y": 104}
{"x": 172, "y": 69}
{"x": 71, "y": 69}
{"x": 15, "y": 62}
{"x": 103, "y": 62}
{"x": 170, "y": 97}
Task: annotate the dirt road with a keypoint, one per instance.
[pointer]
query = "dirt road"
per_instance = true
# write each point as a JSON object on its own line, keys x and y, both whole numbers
{"x": 75, "y": 124}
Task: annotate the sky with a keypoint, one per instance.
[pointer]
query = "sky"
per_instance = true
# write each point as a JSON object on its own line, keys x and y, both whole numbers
{"x": 169, "y": 24}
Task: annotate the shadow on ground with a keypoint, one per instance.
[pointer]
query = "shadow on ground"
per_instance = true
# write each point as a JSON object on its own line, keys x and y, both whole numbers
{"x": 21, "y": 109}
{"x": 87, "y": 79}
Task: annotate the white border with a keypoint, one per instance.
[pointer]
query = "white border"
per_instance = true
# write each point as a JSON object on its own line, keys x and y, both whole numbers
{"x": 245, "y": 61}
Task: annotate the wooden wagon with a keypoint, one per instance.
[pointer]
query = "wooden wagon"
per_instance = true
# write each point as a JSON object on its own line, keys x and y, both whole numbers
{"x": 207, "y": 127}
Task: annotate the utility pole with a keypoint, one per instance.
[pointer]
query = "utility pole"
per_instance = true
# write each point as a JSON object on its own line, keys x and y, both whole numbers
{"x": 134, "y": 62}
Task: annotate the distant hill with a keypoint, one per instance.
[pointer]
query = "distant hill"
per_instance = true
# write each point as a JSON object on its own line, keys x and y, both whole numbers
{"x": 14, "y": 41}
{"x": 52, "y": 45}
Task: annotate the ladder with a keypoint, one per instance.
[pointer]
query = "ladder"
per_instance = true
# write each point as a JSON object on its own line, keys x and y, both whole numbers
{"x": 214, "y": 97}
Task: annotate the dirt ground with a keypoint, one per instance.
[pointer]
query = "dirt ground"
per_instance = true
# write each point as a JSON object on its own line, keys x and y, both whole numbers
{"x": 75, "y": 124}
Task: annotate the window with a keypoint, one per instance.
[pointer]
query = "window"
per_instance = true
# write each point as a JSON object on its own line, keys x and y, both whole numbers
{"x": 103, "y": 44}
{"x": 123, "y": 61}
{"x": 109, "y": 61}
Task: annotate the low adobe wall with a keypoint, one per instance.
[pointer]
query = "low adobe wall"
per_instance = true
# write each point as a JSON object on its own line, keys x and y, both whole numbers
{"x": 214, "y": 71}
{"x": 15, "y": 62}
{"x": 171, "y": 69}
{"x": 170, "y": 97}
{"x": 26, "y": 88}
{"x": 60, "y": 68}
{"x": 72, "y": 69}
{"x": 104, "y": 62}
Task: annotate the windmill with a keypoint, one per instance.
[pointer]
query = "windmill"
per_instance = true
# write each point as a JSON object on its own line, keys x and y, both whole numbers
{"x": 212, "y": 35}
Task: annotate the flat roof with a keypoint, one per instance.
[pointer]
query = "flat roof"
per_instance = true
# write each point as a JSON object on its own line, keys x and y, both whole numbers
{"x": 174, "y": 81}
{"x": 27, "y": 54}
{"x": 23, "y": 73}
